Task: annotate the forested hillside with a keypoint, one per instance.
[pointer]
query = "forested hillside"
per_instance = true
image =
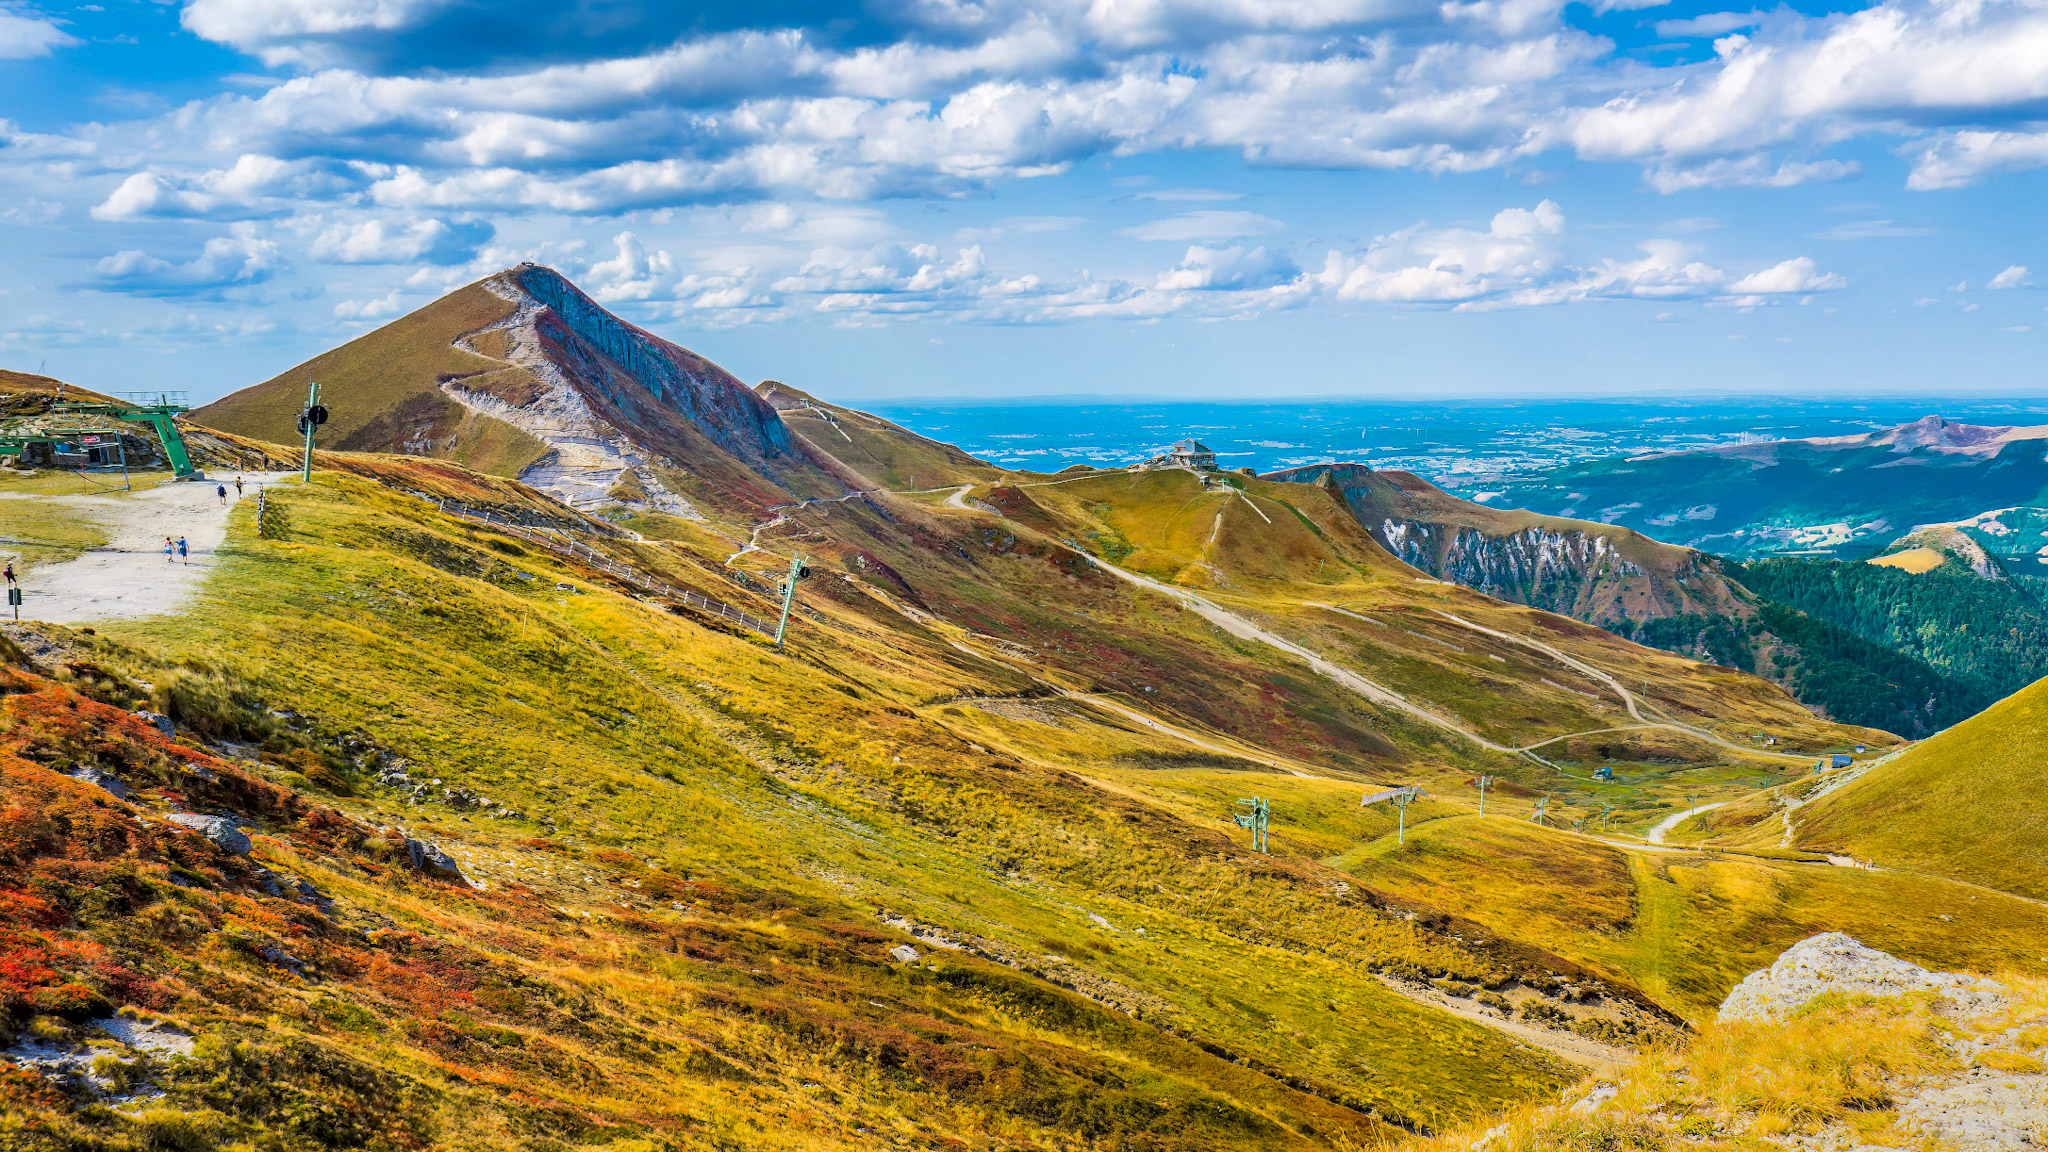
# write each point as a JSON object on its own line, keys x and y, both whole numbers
{"x": 1989, "y": 635}
{"x": 1825, "y": 666}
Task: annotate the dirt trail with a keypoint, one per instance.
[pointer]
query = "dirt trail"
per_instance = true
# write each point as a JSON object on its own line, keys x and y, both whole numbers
{"x": 1244, "y": 629}
{"x": 1628, "y": 698}
{"x": 127, "y": 576}
{"x": 1656, "y": 835}
{"x": 1577, "y": 1049}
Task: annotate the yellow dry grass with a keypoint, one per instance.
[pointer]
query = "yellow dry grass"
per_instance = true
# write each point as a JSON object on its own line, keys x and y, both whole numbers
{"x": 1914, "y": 560}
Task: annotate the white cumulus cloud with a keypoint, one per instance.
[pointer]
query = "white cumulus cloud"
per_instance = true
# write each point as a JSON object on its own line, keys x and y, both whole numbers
{"x": 238, "y": 259}
{"x": 1798, "y": 274}
{"x": 25, "y": 35}
{"x": 400, "y": 241}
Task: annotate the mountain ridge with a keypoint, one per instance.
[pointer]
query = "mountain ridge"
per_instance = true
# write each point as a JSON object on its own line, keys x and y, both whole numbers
{"x": 522, "y": 374}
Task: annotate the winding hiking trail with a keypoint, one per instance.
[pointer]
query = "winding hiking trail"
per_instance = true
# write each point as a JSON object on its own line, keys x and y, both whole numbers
{"x": 1663, "y": 827}
{"x": 1628, "y": 698}
{"x": 1244, "y": 629}
{"x": 127, "y": 577}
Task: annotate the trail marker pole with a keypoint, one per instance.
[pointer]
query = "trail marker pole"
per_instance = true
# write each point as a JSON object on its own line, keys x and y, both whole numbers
{"x": 1483, "y": 782}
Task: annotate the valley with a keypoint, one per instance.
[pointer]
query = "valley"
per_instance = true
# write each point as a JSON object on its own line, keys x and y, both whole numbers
{"x": 486, "y": 812}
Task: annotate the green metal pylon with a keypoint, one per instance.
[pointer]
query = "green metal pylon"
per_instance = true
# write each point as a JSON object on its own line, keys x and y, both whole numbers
{"x": 1256, "y": 820}
{"x": 796, "y": 572}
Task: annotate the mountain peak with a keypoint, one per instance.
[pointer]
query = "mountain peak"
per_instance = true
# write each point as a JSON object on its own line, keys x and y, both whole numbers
{"x": 1941, "y": 433}
{"x": 524, "y": 374}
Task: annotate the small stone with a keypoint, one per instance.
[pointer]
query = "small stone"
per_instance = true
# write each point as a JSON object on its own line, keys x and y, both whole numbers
{"x": 903, "y": 953}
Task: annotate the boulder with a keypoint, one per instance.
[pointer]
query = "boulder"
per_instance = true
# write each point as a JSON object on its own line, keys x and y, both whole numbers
{"x": 903, "y": 953}
{"x": 1832, "y": 962}
{"x": 105, "y": 781}
{"x": 219, "y": 829}
{"x": 428, "y": 857}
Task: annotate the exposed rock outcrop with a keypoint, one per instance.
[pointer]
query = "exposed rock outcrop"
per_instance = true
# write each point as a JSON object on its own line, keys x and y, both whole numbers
{"x": 1833, "y": 962}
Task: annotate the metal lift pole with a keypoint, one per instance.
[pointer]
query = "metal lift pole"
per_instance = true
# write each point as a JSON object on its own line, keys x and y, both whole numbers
{"x": 306, "y": 418}
{"x": 796, "y": 568}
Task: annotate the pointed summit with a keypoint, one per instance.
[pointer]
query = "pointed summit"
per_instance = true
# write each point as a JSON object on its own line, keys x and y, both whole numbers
{"x": 522, "y": 374}
{"x": 1938, "y": 432}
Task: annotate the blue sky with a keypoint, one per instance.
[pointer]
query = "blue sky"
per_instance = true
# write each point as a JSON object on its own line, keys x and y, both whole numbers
{"x": 1230, "y": 198}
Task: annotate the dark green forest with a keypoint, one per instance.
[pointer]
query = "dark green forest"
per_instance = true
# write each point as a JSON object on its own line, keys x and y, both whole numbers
{"x": 1989, "y": 634}
{"x": 1823, "y": 665}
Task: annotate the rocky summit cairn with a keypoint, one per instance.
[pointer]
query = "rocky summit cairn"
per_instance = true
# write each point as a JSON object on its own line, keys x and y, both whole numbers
{"x": 1832, "y": 962}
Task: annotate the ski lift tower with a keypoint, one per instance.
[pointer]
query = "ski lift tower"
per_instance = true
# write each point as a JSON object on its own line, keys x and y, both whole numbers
{"x": 1255, "y": 819}
{"x": 1402, "y": 797}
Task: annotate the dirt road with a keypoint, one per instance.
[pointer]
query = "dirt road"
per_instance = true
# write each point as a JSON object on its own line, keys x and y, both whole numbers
{"x": 128, "y": 577}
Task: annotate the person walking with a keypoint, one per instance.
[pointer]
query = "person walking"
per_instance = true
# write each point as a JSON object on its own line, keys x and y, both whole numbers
{"x": 221, "y": 490}
{"x": 238, "y": 487}
{"x": 170, "y": 551}
{"x": 183, "y": 553}
{"x": 9, "y": 573}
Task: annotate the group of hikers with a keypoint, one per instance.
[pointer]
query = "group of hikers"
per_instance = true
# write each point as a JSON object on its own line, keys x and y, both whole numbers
{"x": 176, "y": 550}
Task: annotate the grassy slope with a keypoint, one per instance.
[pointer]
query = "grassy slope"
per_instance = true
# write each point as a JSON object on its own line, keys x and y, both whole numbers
{"x": 852, "y": 777}
{"x": 1687, "y": 927}
{"x": 1966, "y": 803}
{"x": 884, "y": 453}
{"x": 383, "y": 389}
{"x": 632, "y": 730}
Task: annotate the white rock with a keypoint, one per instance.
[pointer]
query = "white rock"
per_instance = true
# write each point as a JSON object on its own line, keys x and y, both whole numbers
{"x": 1592, "y": 1101}
{"x": 1832, "y": 962}
{"x": 903, "y": 953}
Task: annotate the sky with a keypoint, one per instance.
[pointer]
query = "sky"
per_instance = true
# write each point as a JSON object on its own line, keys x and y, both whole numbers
{"x": 945, "y": 198}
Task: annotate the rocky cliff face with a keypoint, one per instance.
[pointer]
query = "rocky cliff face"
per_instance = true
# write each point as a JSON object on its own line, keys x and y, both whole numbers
{"x": 628, "y": 417}
{"x": 620, "y": 366}
{"x": 1594, "y": 572}
{"x": 1568, "y": 572}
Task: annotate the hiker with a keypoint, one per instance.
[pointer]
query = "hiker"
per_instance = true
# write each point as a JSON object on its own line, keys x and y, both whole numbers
{"x": 183, "y": 554}
{"x": 238, "y": 487}
{"x": 221, "y": 490}
{"x": 170, "y": 551}
{"x": 9, "y": 573}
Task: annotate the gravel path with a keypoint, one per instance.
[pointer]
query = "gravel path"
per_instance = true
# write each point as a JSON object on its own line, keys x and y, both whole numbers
{"x": 128, "y": 577}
